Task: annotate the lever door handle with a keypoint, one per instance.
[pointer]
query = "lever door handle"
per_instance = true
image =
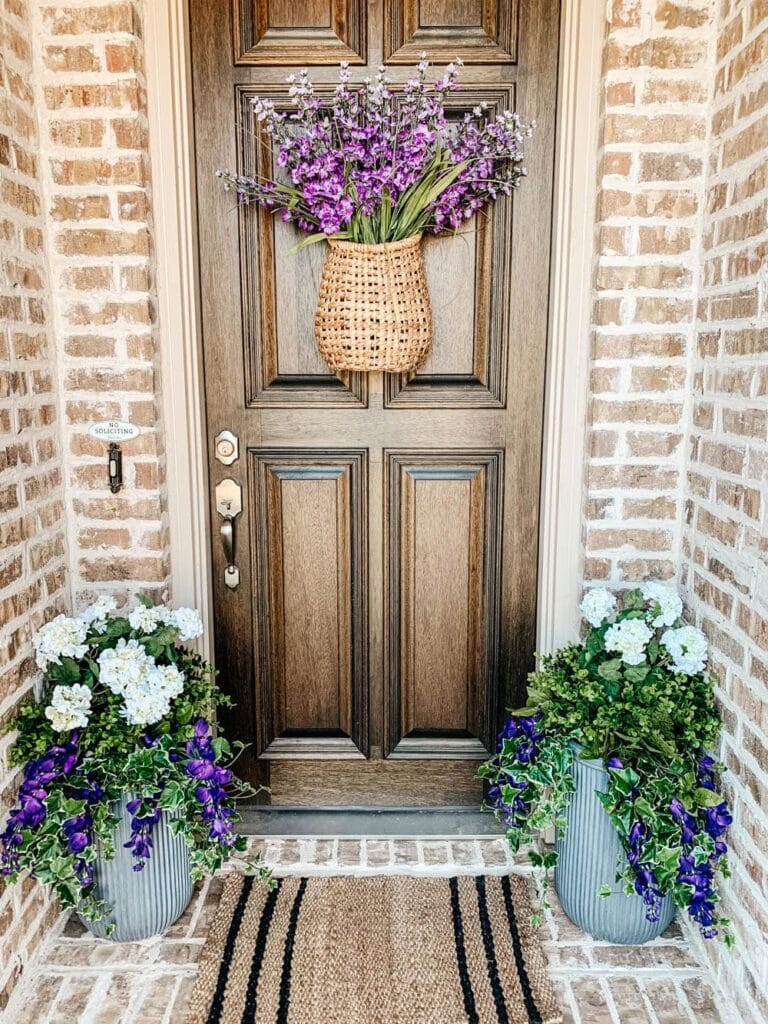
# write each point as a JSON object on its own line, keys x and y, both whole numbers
{"x": 228, "y": 541}
{"x": 229, "y": 505}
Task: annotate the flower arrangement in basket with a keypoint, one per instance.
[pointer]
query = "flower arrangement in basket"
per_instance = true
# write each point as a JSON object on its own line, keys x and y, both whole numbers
{"x": 634, "y": 694}
{"x": 370, "y": 170}
{"x": 125, "y": 712}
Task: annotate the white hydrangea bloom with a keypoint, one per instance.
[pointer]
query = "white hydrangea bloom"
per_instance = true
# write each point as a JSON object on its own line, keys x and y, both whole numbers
{"x": 62, "y": 637}
{"x": 597, "y": 605}
{"x": 147, "y": 619}
{"x": 166, "y": 679}
{"x": 668, "y": 600}
{"x": 145, "y": 707}
{"x": 187, "y": 622}
{"x": 70, "y": 707}
{"x": 628, "y": 638}
{"x": 687, "y": 647}
{"x": 124, "y": 667}
{"x": 96, "y": 614}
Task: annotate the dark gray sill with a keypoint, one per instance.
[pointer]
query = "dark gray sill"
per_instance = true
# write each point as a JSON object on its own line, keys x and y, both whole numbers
{"x": 365, "y": 823}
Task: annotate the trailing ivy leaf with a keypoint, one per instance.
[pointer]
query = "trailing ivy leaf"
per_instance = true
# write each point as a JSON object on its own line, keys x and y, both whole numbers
{"x": 604, "y": 891}
{"x": 707, "y": 797}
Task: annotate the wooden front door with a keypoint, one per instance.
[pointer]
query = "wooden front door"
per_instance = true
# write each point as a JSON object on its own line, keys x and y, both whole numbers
{"x": 387, "y": 545}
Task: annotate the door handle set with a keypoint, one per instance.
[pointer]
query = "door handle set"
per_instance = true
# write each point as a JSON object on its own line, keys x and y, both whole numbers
{"x": 229, "y": 505}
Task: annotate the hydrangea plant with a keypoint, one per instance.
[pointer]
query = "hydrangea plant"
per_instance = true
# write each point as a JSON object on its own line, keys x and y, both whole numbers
{"x": 125, "y": 709}
{"x": 636, "y": 694}
{"x": 370, "y": 164}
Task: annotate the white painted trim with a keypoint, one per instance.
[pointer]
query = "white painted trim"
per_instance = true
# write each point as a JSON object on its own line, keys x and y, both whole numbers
{"x": 562, "y": 490}
{"x": 171, "y": 132}
{"x": 169, "y": 99}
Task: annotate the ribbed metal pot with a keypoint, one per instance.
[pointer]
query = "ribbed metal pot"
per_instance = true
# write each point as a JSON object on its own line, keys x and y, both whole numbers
{"x": 588, "y": 857}
{"x": 142, "y": 903}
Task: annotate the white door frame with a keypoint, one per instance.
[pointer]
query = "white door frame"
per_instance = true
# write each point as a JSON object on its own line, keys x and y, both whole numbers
{"x": 169, "y": 96}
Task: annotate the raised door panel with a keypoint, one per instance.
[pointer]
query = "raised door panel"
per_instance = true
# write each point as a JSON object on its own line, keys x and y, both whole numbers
{"x": 279, "y": 290}
{"x": 470, "y": 291}
{"x": 309, "y": 602}
{"x": 443, "y": 551}
{"x": 282, "y": 32}
{"x": 478, "y": 31}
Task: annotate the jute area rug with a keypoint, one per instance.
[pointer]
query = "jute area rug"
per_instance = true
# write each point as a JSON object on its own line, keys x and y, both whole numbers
{"x": 380, "y": 950}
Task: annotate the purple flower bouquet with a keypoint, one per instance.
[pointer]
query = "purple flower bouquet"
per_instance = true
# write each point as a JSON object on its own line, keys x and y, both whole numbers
{"x": 367, "y": 168}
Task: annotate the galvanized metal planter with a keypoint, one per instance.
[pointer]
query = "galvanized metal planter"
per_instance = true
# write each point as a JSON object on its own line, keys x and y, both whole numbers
{"x": 143, "y": 903}
{"x": 588, "y": 857}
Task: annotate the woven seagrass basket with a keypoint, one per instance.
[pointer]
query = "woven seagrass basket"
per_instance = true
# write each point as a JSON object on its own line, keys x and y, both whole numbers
{"x": 373, "y": 310}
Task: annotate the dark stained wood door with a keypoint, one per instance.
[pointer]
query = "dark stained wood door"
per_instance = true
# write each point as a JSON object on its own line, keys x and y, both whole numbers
{"x": 387, "y": 545}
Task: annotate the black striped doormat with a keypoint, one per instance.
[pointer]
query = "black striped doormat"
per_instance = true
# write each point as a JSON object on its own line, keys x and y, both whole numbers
{"x": 380, "y": 950}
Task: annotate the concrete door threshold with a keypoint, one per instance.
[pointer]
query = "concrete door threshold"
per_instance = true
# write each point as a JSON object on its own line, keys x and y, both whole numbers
{"x": 370, "y": 823}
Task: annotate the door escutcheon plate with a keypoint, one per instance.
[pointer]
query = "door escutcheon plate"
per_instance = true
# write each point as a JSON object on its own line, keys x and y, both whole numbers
{"x": 229, "y": 498}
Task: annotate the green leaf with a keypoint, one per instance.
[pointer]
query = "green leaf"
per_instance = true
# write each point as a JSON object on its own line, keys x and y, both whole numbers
{"x": 319, "y": 236}
{"x": 636, "y": 673}
{"x": 604, "y": 891}
{"x": 610, "y": 670}
{"x": 386, "y": 216}
{"x": 707, "y": 797}
{"x": 633, "y": 599}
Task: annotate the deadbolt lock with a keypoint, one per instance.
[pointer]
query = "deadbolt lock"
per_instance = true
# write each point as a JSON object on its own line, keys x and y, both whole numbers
{"x": 227, "y": 447}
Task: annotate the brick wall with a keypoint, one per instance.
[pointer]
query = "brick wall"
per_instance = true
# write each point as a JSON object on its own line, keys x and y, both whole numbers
{"x": 95, "y": 170}
{"x": 651, "y": 175}
{"x": 725, "y": 541}
{"x": 76, "y": 292}
{"x": 678, "y": 466}
{"x": 32, "y": 536}
{"x": 678, "y": 461}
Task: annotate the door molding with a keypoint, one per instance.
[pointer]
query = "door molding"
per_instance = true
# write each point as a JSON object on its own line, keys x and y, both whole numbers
{"x": 169, "y": 102}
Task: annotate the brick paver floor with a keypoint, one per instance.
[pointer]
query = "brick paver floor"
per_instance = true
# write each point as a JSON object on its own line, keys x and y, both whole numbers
{"x": 80, "y": 980}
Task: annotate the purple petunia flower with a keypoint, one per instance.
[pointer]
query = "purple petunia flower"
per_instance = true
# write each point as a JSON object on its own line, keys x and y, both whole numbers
{"x": 58, "y": 761}
{"x": 718, "y": 819}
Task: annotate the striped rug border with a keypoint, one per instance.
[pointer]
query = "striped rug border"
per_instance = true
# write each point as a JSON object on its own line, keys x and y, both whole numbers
{"x": 463, "y": 894}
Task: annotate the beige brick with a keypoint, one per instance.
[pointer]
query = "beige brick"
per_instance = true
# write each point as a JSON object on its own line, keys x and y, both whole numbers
{"x": 88, "y": 132}
{"x": 650, "y": 508}
{"x": 75, "y": 21}
{"x": 654, "y": 378}
{"x": 71, "y": 58}
{"x": 659, "y": 128}
{"x": 641, "y": 410}
{"x": 122, "y": 57}
{"x": 102, "y": 242}
{"x": 634, "y": 537}
{"x": 123, "y": 94}
{"x": 669, "y": 166}
{"x": 619, "y": 94}
{"x": 677, "y": 204}
{"x": 660, "y": 52}
{"x": 612, "y": 346}
{"x": 673, "y": 90}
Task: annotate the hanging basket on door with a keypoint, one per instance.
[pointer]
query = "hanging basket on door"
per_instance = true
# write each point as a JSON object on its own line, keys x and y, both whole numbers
{"x": 373, "y": 310}
{"x": 369, "y": 169}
